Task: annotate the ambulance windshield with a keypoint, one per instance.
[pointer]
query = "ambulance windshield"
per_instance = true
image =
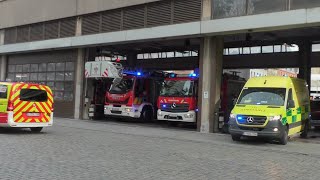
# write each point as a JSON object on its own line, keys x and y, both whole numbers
{"x": 263, "y": 96}
{"x": 177, "y": 88}
{"x": 123, "y": 87}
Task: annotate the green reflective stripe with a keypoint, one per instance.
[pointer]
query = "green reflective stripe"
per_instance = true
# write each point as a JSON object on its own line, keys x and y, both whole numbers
{"x": 289, "y": 113}
{"x": 299, "y": 110}
{"x": 294, "y": 119}
{"x": 284, "y": 120}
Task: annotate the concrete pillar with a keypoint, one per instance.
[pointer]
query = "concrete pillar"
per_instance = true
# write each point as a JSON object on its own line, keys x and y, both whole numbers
{"x": 305, "y": 51}
{"x": 79, "y": 26}
{"x": 206, "y": 10}
{"x": 211, "y": 55}
{"x": 79, "y": 78}
{"x": 1, "y": 37}
{"x": 3, "y": 67}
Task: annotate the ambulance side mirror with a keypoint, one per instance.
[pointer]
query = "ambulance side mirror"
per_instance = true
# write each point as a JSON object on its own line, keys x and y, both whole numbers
{"x": 290, "y": 104}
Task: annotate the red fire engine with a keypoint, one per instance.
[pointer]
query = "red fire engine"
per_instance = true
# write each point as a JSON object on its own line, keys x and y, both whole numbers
{"x": 135, "y": 96}
{"x": 178, "y": 98}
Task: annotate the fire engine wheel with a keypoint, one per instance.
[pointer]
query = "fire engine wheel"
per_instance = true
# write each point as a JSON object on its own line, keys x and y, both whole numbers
{"x": 146, "y": 114}
{"x": 36, "y": 129}
{"x": 284, "y": 137}
{"x": 305, "y": 131}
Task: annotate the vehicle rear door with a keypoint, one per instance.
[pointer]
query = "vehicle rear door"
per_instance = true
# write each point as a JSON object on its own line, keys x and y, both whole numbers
{"x": 34, "y": 104}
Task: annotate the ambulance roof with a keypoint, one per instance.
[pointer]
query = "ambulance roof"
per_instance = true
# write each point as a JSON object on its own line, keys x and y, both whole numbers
{"x": 274, "y": 81}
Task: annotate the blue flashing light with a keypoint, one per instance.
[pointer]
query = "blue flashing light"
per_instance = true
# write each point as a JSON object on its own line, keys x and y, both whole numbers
{"x": 172, "y": 75}
{"x": 164, "y": 106}
{"x": 139, "y": 73}
{"x": 240, "y": 118}
{"x": 193, "y": 75}
{"x": 197, "y": 110}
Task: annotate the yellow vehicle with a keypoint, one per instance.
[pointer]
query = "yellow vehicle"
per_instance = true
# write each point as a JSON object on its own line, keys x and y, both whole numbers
{"x": 271, "y": 107}
{"x": 25, "y": 105}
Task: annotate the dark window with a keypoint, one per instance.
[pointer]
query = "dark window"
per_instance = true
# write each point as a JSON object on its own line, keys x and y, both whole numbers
{"x": 33, "y": 95}
{"x": 3, "y": 92}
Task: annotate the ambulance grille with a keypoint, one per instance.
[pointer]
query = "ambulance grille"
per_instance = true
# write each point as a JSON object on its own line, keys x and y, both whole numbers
{"x": 175, "y": 108}
{"x": 254, "y": 120}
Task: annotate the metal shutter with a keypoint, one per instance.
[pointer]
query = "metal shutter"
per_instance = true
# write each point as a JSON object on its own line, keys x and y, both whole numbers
{"x": 67, "y": 27}
{"x": 51, "y": 30}
{"x": 134, "y": 17}
{"x": 10, "y": 35}
{"x": 36, "y": 32}
{"x": 23, "y": 34}
{"x": 111, "y": 21}
{"x": 91, "y": 24}
{"x": 159, "y": 13}
{"x": 187, "y": 11}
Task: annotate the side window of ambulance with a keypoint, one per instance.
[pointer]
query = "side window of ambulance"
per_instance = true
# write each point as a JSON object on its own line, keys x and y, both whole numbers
{"x": 3, "y": 92}
{"x": 33, "y": 95}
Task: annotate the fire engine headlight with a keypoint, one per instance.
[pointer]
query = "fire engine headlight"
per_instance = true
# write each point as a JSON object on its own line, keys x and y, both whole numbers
{"x": 275, "y": 118}
{"x": 159, "y": 113}
{"x": 188, "y": 115}
{"x": 128, "y": 109}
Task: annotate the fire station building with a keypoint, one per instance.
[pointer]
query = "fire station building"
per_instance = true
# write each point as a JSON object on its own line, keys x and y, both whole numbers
{"x": 49, "y": 41}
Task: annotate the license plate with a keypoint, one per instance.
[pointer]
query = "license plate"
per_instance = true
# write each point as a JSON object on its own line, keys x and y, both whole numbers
{"x": 115, "y": 109}
{"x": 33, "y": 114}
{"x": 250, "y": 134}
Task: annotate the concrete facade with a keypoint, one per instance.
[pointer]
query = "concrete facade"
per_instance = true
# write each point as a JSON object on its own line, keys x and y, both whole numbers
{"x": 23, "y": 12}
{"x": 3, "y": 68}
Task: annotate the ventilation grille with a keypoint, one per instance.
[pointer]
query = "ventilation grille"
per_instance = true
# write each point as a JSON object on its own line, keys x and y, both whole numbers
{"x": 134, "y": 17}
{"x": 36, "y": 32}
{"x": 91, "y": 24}
{"x": 159, "y": 13}
{"x": 51, "y": 30}
{"x": 187, "y": 11}
{"x": 67, "y": 27}
{"x": 10, "y": 35}
{"x": 111, "y": 21}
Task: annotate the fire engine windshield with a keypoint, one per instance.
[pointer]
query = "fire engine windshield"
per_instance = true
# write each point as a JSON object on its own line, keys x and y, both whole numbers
{"x": 263, "y": 96}
{"x": 123, "y": 87}
{"x": 177, "y": 88}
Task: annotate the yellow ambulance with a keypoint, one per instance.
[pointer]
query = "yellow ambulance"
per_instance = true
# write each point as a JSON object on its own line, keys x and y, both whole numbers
{"x": 25, "y": 105}
{"x": 271, "y": 107}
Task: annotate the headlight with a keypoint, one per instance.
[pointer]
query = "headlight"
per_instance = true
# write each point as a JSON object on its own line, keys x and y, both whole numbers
{"x": 128, "y": 109}
{"x": 159, "y": 113}
{"x": 233, "y": 116}
{"x": 188, "y": 115}
{"x": 275, "y": 118}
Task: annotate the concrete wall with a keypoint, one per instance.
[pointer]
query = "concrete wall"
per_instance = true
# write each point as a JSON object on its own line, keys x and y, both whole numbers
{"x": 20, "y": 12}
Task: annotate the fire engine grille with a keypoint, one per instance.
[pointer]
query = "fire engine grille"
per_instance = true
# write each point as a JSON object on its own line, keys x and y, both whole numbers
{"x": 252, "y": 120}
{"x": 175, "y": 108}
{"x": 117, "y": 102}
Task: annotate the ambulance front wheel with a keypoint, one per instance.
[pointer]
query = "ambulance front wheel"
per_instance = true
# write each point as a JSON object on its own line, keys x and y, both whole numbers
{"x": 236, "y": 137}
{"x": 305, "y": 131}
{"x": 36, "y": 129}
{"x": 284, "y": 137}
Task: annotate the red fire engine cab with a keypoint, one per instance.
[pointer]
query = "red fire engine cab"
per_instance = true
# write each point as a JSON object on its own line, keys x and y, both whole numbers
{"x": 178, "y": 99}
{"x": 135, "y": 96}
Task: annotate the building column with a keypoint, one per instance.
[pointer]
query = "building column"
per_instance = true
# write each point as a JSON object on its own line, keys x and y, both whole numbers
{"x": 3, "y": 67}
{"x": 79, "y": 78}
{"x": 305, "y": 52}
{"x": 211, "y": 55}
